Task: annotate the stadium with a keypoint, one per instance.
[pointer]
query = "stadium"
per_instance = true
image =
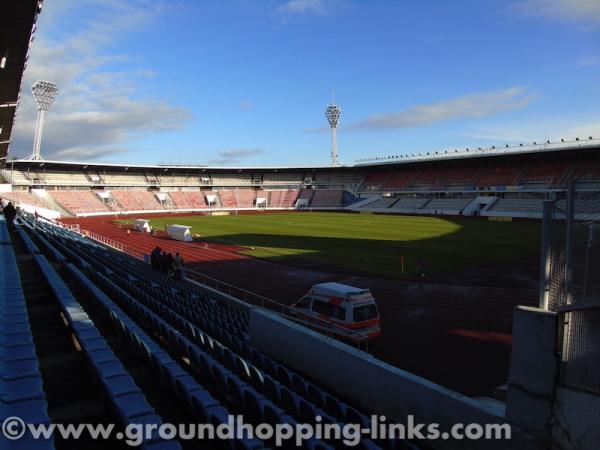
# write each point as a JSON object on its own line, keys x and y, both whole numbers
{"x": 478, "y": 259}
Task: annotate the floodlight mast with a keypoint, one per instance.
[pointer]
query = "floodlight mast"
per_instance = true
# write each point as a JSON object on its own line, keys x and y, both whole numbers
{"x": 333, "y": 113}
{"x": 44, "y": 93}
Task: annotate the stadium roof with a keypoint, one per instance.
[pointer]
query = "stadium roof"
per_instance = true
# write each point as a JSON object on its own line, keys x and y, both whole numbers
{"x": 17, "y": 22}
{"x": 587, "y": 145}
{"x": 521, "y": 149}
{"x": 112, "y": 166}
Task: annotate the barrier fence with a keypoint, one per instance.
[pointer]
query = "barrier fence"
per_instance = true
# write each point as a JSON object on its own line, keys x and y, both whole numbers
{"x": 570, "y": 281}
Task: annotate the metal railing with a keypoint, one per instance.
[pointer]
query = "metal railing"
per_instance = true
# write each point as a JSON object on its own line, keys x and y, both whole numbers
{"x": 103, "y": 240}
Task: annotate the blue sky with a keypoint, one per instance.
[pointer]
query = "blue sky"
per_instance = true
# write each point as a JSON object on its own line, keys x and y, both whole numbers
{"x": 246, "y": 82}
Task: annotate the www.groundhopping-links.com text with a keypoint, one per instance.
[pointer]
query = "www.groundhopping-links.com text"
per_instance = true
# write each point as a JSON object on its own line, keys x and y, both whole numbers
{"x": 14, "y": 428}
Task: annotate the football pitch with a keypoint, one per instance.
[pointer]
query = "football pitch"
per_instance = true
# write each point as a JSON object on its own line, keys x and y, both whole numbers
{"x": 375, "y": 244}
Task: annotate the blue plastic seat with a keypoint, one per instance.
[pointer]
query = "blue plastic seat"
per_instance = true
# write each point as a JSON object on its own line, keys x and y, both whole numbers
{"x": 299, "y": 385}
{"x": 242, "y": 368}
{"x": 236, "y": 388}
{"x": 272, "y": 389}
{"x": 19, "y": 369}
{"x": 284, "y": 376}
{"x": 219, "y": 377}
{"x": 21, "y": 389}
{"x": 307, "y": 412}
{"x": 19, "y": 353}
{"x": 315, "y": 395}
{"x": 131, "y": 406}
{"x": 33, "y": 411}
{"x": 334, "y": 407}
{"x": 15, "y": 327}
{"x": 256, "y": 379}
{"x": 101, "y": 355}
{"x": 120, "y": 385}
{"x": 290, "y": 401}
{"x": 109, "y": 369}
{"x": 201, "y": 403}
{"x": 353, "y": 416}
{"x": 16, "y": 340}
{"x": 272, "y": 414}
{"x": 184, "y": 386}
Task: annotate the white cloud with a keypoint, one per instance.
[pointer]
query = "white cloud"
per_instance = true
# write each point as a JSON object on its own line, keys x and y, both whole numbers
{"x": 97, "y": 111}
{"x": 467, "y": 106}
{"x": 581, "y": 12}
{"x": 589, "y": 61}
{"x": 234, "y": 156}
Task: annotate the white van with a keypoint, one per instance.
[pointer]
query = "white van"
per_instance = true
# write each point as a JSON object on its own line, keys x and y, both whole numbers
{"x": 343, "y": 305}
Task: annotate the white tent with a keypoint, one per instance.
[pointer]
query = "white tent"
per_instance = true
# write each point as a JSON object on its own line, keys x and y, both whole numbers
{"x": 141, "y": 225}
{"x": 180, "y": 233}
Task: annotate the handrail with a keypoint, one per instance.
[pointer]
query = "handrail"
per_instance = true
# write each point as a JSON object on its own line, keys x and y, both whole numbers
{"x": 103, "y": 240}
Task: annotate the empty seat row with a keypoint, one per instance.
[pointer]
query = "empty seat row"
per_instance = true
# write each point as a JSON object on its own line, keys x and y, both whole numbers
{"x": 21, "y": 387}
{"x": 192, "y": 394}
{"x": 125, "y": 396}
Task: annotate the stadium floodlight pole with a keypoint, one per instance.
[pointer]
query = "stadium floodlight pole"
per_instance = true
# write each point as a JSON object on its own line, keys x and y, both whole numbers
{"x": 333, "y": 113}
{"x": 44, "y": 93}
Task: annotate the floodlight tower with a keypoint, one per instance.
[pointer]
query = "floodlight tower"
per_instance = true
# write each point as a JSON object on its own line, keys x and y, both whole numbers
{"x": 44, "y": 93}
{"x": 333, "y": 113}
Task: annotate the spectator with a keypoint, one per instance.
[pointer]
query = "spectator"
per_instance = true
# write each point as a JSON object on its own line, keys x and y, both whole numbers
{"x": 162, "y": 262}
{"x": 421, "y": 267}
{"x": 151, "y": 230}
{"x": 9, "y": 214}
{"x": 128, "y": 232}
{"x": 177, "y": 266}
{"x": 155, "y": 258}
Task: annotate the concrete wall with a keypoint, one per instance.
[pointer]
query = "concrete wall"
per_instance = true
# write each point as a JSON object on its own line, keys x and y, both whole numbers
{"x": 576, "y": 420}
{"x": 374, "y": 385}
{"x": 533, "y": 370}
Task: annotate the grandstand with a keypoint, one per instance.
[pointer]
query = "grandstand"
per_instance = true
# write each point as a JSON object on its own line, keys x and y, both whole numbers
{"x": 489, "y": 184}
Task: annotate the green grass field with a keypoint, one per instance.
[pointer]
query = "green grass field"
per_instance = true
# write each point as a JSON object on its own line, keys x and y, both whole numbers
{"x": 369, "y": 243}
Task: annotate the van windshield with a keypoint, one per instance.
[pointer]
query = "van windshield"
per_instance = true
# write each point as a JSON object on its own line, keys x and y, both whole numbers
{"x": 365, "y": 312}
